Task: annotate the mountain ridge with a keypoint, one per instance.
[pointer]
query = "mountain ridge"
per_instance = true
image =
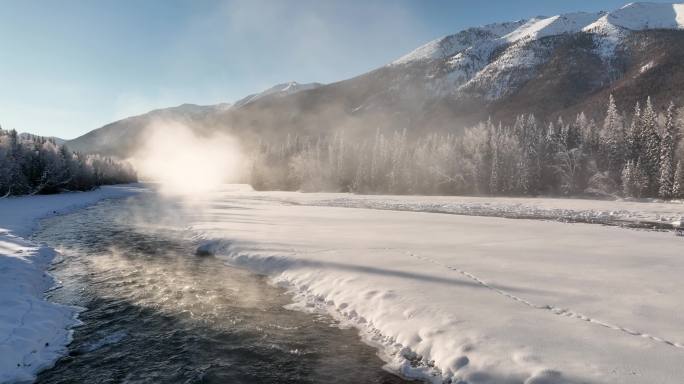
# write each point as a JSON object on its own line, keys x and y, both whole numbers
{"x": 549, "y": 66}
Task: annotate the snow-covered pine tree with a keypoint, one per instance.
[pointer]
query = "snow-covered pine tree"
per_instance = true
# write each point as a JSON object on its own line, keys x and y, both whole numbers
{"x": 628, "y": 179}
{"x": 18, "y": 160}
{"x": 573, "y": 137}
{"x": 530, "y": 165}
{"x": 650, "y": 151}
{"x": 582, "y": 124}
{"x": 549, "y": 159}
{"x": 634, "y": 180}
{"x": 613, "y": 140}
{"x": 591, "y": 139}
{"x": 485, "y": 157}
{"x": 667, "y": 154}
{"x": 494, "y": 182}
{"x": 633, "y": 137}
{"x": 640, "y": 180}
{"x": 678, "y": 187}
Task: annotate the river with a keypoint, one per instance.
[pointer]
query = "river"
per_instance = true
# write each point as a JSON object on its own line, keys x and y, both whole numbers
{"x": 154, "y": 312}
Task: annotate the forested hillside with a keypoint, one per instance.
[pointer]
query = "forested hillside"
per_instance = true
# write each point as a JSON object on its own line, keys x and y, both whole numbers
{"x": 634, "y": 155}
{"x": 32, "y": 164}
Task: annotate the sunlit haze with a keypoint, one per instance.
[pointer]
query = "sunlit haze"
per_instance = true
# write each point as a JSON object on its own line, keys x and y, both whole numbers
{"x": 184, "y": 163}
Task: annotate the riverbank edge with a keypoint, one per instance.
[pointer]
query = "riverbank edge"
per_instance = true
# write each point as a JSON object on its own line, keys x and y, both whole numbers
{"x": 399, "y": 359}
{"x": 34, "y": 332}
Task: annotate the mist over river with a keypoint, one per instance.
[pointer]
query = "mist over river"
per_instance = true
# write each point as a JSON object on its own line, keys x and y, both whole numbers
{"x": 154, "y": 312}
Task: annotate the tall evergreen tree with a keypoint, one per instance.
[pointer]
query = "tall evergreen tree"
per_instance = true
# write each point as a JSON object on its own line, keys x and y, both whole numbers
{"x": 667, "y": 154}
{"x": 650, "y": 151}
{"x": 633, "y": 139}
{"x": 628, "y": 184}
{"x": 678, "y": 187}
{"x": 494, "y": 181}
{"x": 573, "y": 136}
{"x": 613, "y": 140}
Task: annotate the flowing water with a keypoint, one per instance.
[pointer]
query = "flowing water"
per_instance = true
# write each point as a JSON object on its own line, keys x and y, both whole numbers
{"x": 157, "y": 313}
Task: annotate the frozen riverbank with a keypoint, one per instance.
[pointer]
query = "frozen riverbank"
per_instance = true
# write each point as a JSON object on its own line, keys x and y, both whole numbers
{"x": 33, "y": 331}
{"x": 648, "y": 214}
{"x": 479, "y": 299}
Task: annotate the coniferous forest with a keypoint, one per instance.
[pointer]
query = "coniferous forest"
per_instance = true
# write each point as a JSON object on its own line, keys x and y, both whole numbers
{"x": 630, "y": 154}
{"x": 32, "y": 164}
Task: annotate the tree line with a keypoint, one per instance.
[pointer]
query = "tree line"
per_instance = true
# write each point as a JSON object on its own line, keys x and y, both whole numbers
{"x": 632, "y": 155}
{"x": 31, "y": 164}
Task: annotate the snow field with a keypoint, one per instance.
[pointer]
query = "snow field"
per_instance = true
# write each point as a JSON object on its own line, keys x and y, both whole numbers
{"x": 476, "y": 299}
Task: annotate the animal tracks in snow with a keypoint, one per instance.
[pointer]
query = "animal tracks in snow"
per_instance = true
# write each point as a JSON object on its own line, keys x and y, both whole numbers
{"x": 550, "y": 308}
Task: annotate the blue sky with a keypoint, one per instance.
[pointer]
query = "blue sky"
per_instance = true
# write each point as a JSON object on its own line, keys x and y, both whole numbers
{"x": 71, "y": 66}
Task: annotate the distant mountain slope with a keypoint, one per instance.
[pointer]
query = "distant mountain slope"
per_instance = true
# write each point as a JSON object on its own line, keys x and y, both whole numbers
{"x": 550, "y": 66}
{"x": 120, "y": 137}
{"x": 283, "y": 89}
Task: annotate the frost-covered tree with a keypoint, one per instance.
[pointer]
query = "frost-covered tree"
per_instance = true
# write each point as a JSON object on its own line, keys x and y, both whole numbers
{"x": 613, "y": 140}
{"x": 528, "y": 157}
{"x": 650, "y": 150}
{"x": 570, "y": 168}
{"x": 572, "y": 134}
{"x": 628, "y": 185}
{"x": 32, "y": 164}
{"x": 633, "y": 138}
{"x": 678, "y": 187}
{"x": 634, "y": 181}
{"x": 667, "y": 154}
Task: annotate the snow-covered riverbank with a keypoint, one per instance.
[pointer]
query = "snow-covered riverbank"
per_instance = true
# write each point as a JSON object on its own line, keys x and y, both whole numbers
{"x": 479, "y": 299}
{"x": 444, "y": 297}
{"x": 34, "y": 332}
{"x": 651, "y": 213}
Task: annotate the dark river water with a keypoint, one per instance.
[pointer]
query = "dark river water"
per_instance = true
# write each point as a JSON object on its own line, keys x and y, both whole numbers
{"x": 156, "y": 313}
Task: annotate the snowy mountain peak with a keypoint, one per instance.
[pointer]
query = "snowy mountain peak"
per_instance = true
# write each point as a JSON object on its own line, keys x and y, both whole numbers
{"x": 641, "y": 16}
{"x": 453, "y": 44}
{"x": 633, "y": 16}
{"x": 539, "y": 27}
{"x": 278, "y": 89}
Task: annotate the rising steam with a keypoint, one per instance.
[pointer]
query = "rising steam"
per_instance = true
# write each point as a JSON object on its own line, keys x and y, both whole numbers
{"x": 184, "y": 163}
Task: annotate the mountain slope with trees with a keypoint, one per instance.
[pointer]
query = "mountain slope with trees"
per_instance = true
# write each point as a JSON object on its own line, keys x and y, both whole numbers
{"x": 636, "y": 156}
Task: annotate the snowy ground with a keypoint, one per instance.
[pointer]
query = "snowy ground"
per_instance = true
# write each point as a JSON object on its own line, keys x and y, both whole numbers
{"x": 480, "y": 299}
{"x": 638, "y": 214}
{"x": 444, "y": 296}
{"x": 34, "y": 332}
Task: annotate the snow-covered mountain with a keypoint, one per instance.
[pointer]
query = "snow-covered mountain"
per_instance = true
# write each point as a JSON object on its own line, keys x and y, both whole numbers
{"x": 277, "y": 90}
{"x": 494, "y": 60}
{"x": 550, "y": 66}
{"x": 606, "y": 25}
